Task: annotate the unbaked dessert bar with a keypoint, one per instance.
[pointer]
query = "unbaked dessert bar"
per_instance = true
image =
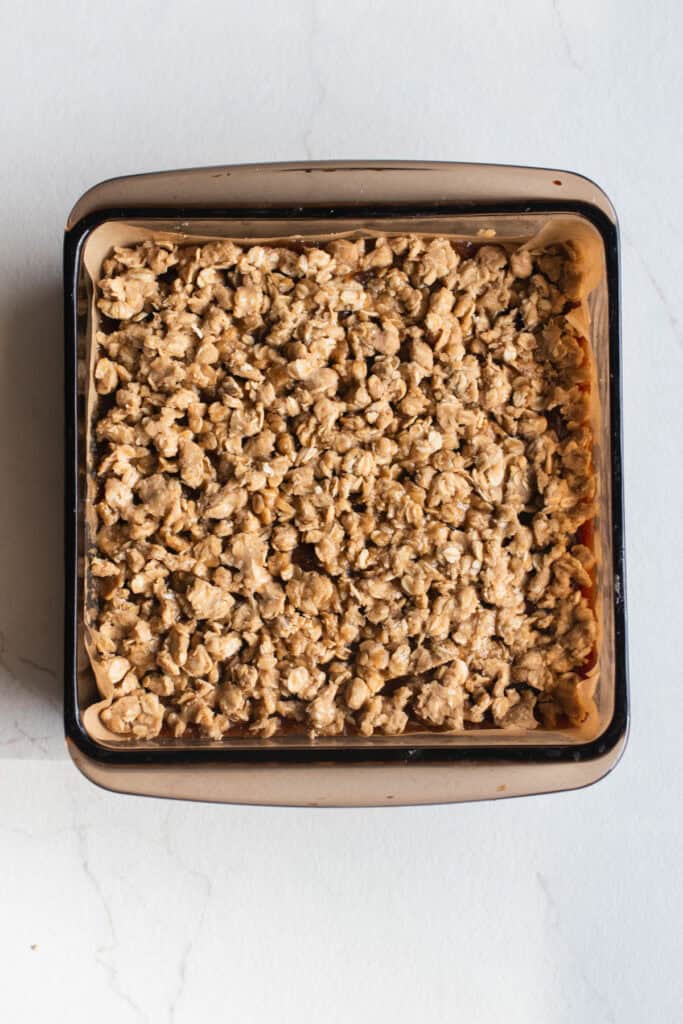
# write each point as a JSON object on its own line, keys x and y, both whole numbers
{"x": 339, "y": 488}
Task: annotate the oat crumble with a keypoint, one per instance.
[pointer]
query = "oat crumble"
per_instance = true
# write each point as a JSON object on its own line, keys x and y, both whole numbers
{"x": 340, "y": 489}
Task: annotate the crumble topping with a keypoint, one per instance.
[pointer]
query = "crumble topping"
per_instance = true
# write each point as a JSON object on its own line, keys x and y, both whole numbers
{"x": 340, "y": 489}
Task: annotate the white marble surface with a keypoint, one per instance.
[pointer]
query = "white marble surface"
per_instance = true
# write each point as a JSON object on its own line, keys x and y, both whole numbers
{"x": 553, "y": 909}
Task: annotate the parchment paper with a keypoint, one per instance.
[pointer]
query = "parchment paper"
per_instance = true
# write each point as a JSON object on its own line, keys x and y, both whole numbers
{"x": 578, "y": 236}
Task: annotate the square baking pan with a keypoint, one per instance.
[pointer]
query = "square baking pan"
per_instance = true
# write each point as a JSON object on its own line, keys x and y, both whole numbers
{"x": 312, "y": 201}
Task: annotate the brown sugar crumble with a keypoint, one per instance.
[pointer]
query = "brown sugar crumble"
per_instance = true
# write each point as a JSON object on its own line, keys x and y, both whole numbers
{"x": 339, "y": 488}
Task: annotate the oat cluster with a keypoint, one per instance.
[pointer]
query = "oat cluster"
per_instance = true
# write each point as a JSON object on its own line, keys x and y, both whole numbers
{"x": 338, "y": 489}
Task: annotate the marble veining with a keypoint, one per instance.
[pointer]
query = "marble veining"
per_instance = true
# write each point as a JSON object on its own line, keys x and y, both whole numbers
{"x": 548, "y": 910}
